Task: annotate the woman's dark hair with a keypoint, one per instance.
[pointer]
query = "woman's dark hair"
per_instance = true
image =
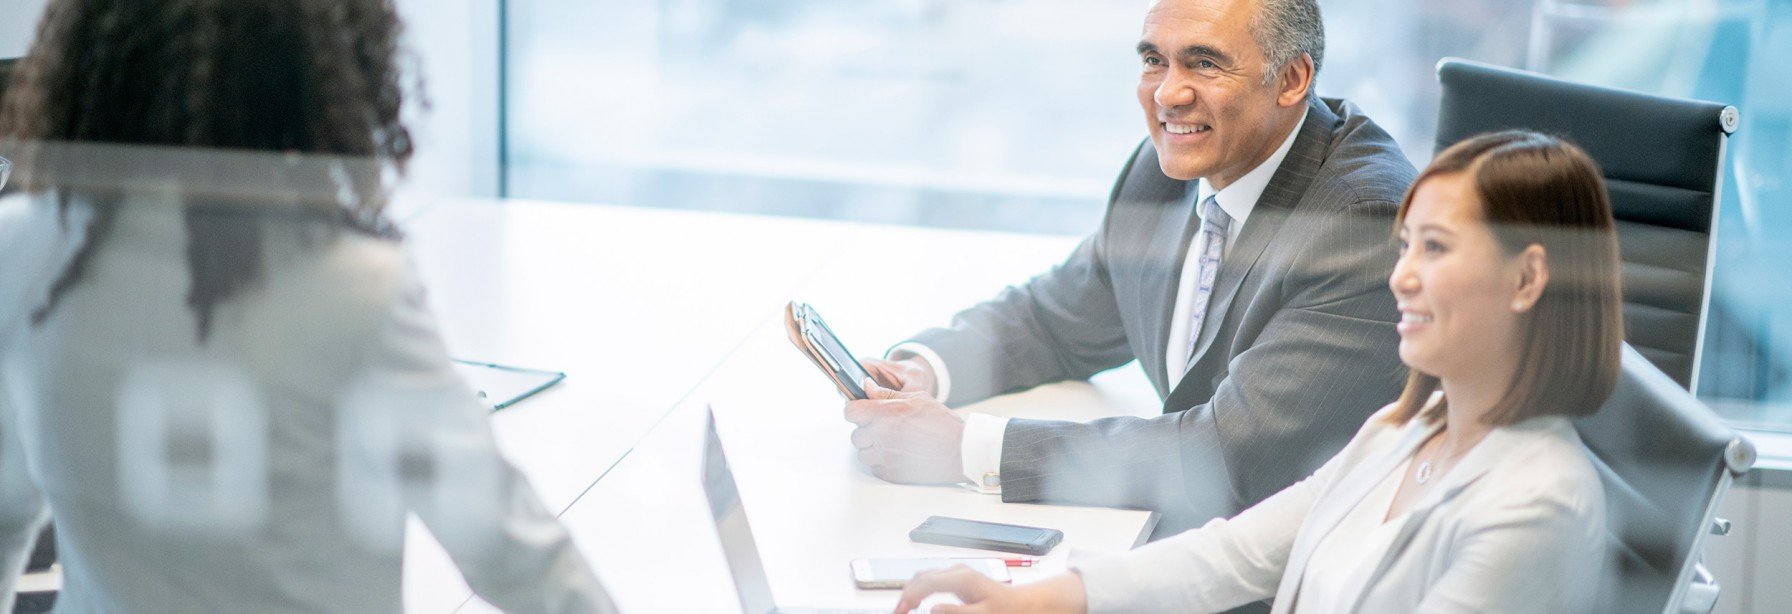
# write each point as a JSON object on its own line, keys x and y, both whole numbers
{"x": 1535, "y": 189}
{"x": 315, "y": 77}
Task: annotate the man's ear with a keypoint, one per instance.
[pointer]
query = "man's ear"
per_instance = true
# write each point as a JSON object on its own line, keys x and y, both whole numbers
{"x": 1295, "y": 81}
{"x": 1533, "y": 277}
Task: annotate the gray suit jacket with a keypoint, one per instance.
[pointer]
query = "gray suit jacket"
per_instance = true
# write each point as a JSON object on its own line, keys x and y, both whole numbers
{"x": 331, "y": 360}
{"x": 1297, "y": 349}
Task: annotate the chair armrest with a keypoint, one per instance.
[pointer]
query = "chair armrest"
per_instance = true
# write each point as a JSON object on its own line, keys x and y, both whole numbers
{"x": 1701, "y": 595}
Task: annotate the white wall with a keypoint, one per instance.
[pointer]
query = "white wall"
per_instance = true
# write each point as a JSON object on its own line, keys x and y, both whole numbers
{"x": 455, "y": 47}
{"x": 18, "y": 20}
{"x": 1751, "y": 563}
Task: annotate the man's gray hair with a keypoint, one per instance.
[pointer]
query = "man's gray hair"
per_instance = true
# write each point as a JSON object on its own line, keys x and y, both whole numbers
{"x": 1287, "y": 28}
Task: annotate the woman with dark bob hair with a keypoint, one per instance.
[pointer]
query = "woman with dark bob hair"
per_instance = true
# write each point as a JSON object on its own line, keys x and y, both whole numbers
{"x": 218, "y": 375}
{"x": 1472, "y": 492}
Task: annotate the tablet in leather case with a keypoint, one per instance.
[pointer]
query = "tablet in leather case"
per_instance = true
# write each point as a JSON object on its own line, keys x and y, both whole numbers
{"x": 816, "y": 341}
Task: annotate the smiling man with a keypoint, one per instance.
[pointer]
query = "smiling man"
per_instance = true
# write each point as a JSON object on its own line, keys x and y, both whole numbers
{"x": 1242, "y": 262}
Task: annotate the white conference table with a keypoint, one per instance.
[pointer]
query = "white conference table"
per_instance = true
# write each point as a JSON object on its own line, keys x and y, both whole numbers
{"x": 656, "y": 315}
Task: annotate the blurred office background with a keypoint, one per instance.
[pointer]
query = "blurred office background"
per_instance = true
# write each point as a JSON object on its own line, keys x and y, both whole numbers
{"x": 1016, "y": 115}
{"x": 1011, "y": 115}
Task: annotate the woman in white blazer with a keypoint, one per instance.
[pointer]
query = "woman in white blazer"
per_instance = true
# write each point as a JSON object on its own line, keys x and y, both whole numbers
{"x": 218, "y": 375}
{"x": 1472, "y": 492}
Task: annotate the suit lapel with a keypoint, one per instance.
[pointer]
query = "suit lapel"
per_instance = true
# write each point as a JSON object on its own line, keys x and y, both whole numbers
{"x": 1281, "y": 197}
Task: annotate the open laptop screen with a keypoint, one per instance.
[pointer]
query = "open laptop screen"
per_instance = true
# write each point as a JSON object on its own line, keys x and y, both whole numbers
{"x": 731, "y": 526}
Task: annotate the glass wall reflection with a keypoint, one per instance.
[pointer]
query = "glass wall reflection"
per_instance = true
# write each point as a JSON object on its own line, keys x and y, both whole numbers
{"x": 1001, "y": 114}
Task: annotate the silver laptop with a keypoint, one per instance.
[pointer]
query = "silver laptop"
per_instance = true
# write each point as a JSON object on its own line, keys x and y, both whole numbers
{"x": 737, "y": 537}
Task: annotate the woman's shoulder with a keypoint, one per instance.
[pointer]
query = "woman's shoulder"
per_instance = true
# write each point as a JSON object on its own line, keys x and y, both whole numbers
{"x": 33, "y": 223}
{"x": 35, "y": 238}
{"x": 1552, "y": 438}
{"x": 322, "y": 312}
{"x": 367, "y": 269}
{"x": 1544, "y": 458}
{"x": 352, "y": 281}
{"x": 1379, "y": 432}
{"x": 1381, "y": 425}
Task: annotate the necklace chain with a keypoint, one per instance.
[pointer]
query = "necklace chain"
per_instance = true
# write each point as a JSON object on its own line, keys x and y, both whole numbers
{"x": 1425, "y": 468}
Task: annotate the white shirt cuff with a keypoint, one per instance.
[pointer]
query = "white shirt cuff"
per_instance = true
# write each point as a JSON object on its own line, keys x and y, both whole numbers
{"x": 982, "y": 449}
{"x": 942, "y": 380}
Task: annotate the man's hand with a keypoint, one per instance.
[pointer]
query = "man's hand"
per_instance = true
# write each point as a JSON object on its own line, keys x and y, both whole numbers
{"x": 1060, "y": 593}
{"x": 906, "y": 375}
{"x": 907, "y": 437}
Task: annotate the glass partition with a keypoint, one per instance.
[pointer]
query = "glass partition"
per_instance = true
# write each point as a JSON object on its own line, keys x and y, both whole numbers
{"x": 1011, "y": 115}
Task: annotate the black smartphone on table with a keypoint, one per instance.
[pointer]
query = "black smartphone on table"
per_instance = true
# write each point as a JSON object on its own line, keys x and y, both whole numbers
{"x": 946, "y": 531}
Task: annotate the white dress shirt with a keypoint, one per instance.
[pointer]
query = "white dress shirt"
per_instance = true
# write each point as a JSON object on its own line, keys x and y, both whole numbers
{"x": 1344, "y": 558}
{"x": 983, "y": 433}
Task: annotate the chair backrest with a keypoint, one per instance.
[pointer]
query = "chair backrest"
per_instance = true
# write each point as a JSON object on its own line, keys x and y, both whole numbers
{"x": 1665, "y": 460}
{"x": 1662, "y": 159}
{"x": 6, "y": 66}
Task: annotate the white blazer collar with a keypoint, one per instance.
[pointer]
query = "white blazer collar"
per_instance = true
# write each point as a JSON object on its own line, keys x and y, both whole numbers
{"x": 1501, "y": 443}
{"x": 1343, "y": 496}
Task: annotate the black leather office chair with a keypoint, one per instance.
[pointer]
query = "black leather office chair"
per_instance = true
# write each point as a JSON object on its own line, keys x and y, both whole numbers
{"x": 6, "y": 68}
{"x": 1666, "y": 461}
{"x": 1662, "y": 159}
{"x": 6, "y": 74}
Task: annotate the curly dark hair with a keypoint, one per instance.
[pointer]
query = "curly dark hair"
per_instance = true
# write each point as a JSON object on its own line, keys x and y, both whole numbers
{"x": 299, "y": 76}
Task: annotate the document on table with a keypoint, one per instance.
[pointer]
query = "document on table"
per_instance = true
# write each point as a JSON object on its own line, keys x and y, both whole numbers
{"x": 500, "y": 386}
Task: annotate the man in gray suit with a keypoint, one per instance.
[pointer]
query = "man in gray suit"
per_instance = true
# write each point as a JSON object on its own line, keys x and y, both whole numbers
{"x": 1243, "y": 262}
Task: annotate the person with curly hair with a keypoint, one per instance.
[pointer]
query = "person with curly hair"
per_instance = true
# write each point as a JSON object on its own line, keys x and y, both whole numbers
{"x": 218, "y": 374}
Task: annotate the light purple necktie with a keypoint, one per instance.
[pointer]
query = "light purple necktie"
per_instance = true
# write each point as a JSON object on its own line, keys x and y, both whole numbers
{"x": 1210, "y": 243}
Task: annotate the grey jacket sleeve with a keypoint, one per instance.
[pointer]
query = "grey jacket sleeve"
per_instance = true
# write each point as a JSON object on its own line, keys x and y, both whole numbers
{"x": 23, "y": 511}
{"x": 1312, "y": 359}
{"x": 31, "y": 246}
{"x": 1060, "y": 325}
{"x": 1063, "y": 324}
{"x": 512, "y": 551}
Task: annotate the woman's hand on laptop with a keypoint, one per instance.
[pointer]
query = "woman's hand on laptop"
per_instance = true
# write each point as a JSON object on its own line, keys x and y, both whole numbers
{"x": 1059, "y": 593}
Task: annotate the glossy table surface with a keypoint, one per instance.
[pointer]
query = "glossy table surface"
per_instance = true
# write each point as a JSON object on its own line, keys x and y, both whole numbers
{"x": 656, "y": 315}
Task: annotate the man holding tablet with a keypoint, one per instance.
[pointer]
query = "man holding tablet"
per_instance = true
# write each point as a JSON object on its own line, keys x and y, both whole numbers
{"x": 1242, "y": 262}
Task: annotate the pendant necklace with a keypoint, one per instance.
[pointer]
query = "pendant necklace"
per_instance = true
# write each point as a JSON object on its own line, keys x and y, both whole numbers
{"x": 1424, "y": 472}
